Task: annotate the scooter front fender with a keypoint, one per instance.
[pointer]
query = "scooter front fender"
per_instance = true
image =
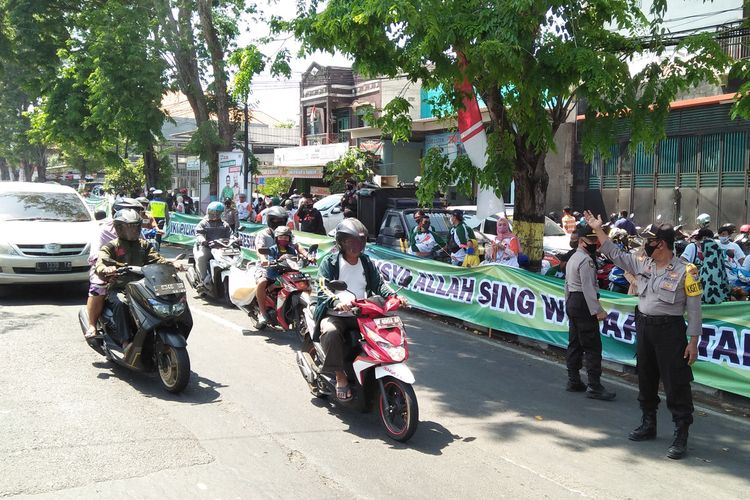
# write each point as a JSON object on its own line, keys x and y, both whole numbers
{"x": 396, "y": 370}
{"x": 171, "y": 338}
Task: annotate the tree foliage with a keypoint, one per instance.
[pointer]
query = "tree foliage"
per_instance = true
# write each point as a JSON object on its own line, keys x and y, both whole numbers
{"x": 528, "y": 61}
{"x": 357, "y": 164}
{"x": 275, "y": 186}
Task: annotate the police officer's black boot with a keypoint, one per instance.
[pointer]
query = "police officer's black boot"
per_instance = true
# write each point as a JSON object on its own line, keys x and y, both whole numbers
{"x": 647, "y": 429}
{"x": 574, "y": 382}
{"x": 596, "y": 390}
{"x": 679, "y": 445}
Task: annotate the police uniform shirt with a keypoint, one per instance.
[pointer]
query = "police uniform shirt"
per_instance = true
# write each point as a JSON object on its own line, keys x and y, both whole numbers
{"x": 662, "y": 292}
{"x": 580, "y": 276}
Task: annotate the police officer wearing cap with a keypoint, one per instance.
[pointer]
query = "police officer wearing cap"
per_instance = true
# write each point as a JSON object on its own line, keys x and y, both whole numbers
{"x": 668, "y": 289}
{"x": 584, "y": 313}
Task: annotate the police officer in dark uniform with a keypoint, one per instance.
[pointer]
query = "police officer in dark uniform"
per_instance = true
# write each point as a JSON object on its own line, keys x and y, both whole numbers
{"x": 584, "y": 313}
{"x": 668, "y": 288}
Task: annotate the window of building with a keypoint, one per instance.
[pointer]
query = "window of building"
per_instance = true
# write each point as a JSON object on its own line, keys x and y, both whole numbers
{"x": 668, "y": 156}
{"x": 710, "y": 160}
{"x": 689, "y": 161}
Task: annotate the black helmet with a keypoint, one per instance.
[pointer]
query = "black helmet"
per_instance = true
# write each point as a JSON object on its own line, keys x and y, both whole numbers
{"x": 727, "y": 228}
{"x": 276, "y": 216}
{"x": 126, "y": 203}
{"x": 127, "y": 224}
{"x": 352, "y": 234}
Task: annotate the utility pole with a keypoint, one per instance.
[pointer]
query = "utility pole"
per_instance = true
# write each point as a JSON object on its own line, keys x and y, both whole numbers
{"x": 246, "y": 164}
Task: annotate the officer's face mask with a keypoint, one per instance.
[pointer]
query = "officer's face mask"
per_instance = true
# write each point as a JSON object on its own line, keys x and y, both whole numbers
{"x": 651, "y": 248}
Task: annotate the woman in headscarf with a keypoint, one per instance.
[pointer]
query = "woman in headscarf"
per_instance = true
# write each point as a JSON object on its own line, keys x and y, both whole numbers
{"x": 505, "y": 248}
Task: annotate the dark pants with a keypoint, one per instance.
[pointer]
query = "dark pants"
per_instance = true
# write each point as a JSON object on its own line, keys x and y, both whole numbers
{"x": 120, "y": 317}
{"x": 335, "y": 336}
{"x": 660, "y": 348}
{"x": 584, "y": 341}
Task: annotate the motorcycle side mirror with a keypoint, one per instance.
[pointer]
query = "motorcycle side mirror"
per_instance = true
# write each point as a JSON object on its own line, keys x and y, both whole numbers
{"x": 263, "y": 251}
{"x": 337, "y": 285}
{"x": 313, "y": 248}
{"x": 405, "y": 282}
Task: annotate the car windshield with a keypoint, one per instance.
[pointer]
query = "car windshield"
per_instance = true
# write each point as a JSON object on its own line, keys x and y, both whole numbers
{"x": 43, "y": 206}
{"x": 440, "y": 222}
{"x": 328, "y": 202}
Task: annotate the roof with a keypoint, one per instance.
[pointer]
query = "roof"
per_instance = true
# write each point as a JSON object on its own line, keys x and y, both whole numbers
{"x": 34, "y": 187}
{"x": 694, "y": 102}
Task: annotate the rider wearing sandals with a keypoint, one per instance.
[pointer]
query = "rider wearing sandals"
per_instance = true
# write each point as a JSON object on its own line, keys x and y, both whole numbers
{"x": 333, "y": 317}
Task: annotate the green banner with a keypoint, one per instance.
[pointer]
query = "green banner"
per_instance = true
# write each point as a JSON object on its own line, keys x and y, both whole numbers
{"x": 516, "y": 301}
{"x": 95, "y": 203}
{"x": 530, "y": 305}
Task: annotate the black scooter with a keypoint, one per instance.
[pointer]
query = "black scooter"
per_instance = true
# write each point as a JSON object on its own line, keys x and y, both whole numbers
{"x": 160, "y": 317}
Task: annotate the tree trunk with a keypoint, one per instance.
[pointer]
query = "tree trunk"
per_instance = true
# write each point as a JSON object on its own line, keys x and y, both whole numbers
{"x": 151, "y": 166}
{"x": 28, "y": 170}
{"x": 178, "y": 34}
{"x": 531, "y": 180}
{"x": 4, "y": 170}
{"x": 41, "y": 166}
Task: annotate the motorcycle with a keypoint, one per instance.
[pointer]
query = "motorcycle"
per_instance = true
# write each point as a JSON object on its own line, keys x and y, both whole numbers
{"x": 375, "y": 363}
{"x": 284, "y": 296}
{"x": 225, "y": 253}
{"x": 159, "y": 315}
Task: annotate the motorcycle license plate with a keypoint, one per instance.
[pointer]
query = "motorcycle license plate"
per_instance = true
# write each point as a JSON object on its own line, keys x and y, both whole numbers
{"x": 169, "y": 288}
{"x": 54, "y": 267}
{"x": 388, "y": 322}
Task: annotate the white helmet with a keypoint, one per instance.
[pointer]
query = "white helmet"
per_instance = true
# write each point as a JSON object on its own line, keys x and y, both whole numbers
{"x": 127, "y": 224}
{"x": 703, "y": 220}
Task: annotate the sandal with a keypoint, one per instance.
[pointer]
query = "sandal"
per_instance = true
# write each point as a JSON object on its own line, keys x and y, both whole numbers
{"x": 344, "y": 393}
{"x": 90, "y": 333}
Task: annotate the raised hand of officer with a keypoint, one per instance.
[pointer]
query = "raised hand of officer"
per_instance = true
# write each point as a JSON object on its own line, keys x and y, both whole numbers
{"x": 593, "y": 222}
{"x": 601, "y": 315}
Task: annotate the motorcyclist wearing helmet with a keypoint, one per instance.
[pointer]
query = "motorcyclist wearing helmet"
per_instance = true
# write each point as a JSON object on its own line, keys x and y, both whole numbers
{"x": 97, "y": 287}
{"x": 333, "y": 318}
{"x": 128, "y": 249}
{"x": 275, "y": 217}
{"x": 283, "y": 248}
{"x": 148, "y": 221}
{"x": 210, "y": 228}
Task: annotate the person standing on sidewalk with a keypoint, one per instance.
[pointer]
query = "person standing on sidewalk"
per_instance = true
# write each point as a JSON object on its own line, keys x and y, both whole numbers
{"x": 584, "y": 314}
{"x": 668, "y": 288}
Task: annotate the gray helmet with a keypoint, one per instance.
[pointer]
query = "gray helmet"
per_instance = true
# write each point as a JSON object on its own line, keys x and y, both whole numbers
{"x": 127, "y": 224}
{"x": 282, "y": 231}
{"x": 143, "y": 201}
{"x": 126, "y": 203}
{"x": 276, "y": 216}
{"x": 350, "y": 231}
{"x": 703, "y": 220}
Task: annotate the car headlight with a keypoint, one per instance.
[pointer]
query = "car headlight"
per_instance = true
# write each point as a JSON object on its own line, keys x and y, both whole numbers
{"x": 6, "y": 249}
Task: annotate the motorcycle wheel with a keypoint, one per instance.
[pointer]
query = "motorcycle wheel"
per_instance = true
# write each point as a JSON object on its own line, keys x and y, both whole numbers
{"x": 399, "y": 412}
{"x": 173, "y": 364}
{"x": 227, "y": 298}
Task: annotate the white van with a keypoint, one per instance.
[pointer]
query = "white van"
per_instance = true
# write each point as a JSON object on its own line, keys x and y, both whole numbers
{"x": 45, "y": 234}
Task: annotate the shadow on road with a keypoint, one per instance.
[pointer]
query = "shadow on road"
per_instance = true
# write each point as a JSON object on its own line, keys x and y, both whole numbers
{"x": 430, "y": 438}
{"x": 470, "y": 379}
{"x": 200, "y": 390}
{"x": 62, "y": 294}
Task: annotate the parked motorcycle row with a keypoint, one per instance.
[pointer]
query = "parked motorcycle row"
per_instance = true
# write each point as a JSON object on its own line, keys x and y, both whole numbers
{"x": 376, "y": 357}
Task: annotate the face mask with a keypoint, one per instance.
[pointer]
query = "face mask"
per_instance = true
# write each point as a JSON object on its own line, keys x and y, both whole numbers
{"x": 724, "y": 239}
{"x": 650, "y": 249}
{"x": 591, "y": 248}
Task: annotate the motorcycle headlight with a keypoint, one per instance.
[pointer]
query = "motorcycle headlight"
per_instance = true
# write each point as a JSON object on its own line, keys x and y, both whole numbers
{"x": 160, "y": 308}
{"x": 396, "y": 353}
{"x": 179, "y": 308}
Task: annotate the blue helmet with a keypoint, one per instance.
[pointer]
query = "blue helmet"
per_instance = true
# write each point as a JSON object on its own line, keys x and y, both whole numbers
{"x": 214, "y": 210}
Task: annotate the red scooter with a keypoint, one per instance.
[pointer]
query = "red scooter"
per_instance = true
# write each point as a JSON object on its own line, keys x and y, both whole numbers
{"x": 283, "y": 295}
{"x": 375, "y": 363}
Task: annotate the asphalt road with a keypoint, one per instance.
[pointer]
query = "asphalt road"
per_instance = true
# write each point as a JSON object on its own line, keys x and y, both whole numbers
{"x": 495, "y": 422}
